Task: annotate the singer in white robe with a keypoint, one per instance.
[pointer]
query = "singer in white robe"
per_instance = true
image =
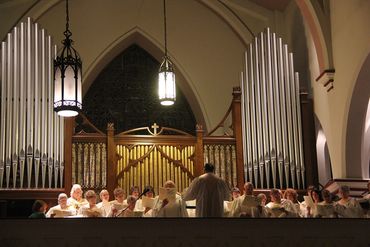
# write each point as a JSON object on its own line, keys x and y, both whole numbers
{"x": 90, "y": 209}
{"x": 76, "y": 200}
{"x": 175, "y": 207}
{"x": 210, "y": 191}
{"x": 62, "y": 209}
{"x": 119, "y": 204}
{"x": 104, "y": 205}
{"x": 348, "y": 207}
{"x": 246, "y": 205}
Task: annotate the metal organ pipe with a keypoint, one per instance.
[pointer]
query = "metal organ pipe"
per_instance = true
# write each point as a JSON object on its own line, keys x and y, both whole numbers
{"x": 27, "y": 117}
{"x": 271, "y": 115}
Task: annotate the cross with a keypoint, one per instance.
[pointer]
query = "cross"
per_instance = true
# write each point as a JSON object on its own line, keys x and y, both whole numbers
{"x": 155, "y": 127}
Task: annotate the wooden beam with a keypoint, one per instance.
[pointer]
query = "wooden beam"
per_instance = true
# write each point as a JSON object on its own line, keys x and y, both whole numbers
{"x": 199, "y": 160}
{"x": 237, "y": 127}
{"x": 68, "y": 133}
{"x": 111, "y": 159}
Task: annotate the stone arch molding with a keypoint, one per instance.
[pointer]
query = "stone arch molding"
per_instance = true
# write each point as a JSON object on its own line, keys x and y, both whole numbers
{"x": 357, "y": 157}
{"x": 138, "y": 36}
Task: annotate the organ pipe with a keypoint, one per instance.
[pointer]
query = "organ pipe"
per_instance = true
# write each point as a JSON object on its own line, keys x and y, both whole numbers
{"x": 271, "y": 114}
{"x": 27, "y": 117}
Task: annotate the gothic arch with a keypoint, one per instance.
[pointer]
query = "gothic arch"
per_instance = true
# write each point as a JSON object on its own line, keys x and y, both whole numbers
{"x": 357, "y": 150}
{"x": 139, "y": 37}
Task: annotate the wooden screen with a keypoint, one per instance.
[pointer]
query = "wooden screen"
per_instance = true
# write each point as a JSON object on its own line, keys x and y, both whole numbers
{"x": 154, "y": 164}
{"x": 89, "y": 164}
{"x": 152, "y": 158}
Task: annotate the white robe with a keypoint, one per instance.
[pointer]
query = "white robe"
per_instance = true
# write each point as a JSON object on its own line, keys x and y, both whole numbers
{"x": 246, "y": 206}
{"x": 86, "y": 211}
{"x": 105, "y": 207}
{"x": 210, "y": 192}
{"x": 176, "y": 208}
{"x": 349, "y": 209}
{"x": 60, "y": 213}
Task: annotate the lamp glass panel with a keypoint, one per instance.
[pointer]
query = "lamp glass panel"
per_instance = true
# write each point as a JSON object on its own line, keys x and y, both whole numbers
{"x": 58, "y": 86}
{"x": 69, "y": 84}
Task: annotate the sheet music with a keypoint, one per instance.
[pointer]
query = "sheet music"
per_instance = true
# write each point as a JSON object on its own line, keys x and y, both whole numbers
{"x": 167, "y": 193}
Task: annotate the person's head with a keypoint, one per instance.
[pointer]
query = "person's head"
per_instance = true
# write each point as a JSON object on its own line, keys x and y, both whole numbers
{"x": 248, "y": 188}
{"x": 104, "y": 195}
{"x": 76, "y": 192}
{"x": 119, "y": 195}
{"x": 235, "y": 192}
{"x": 209, "y": 168}
{"x": 262, "y": 198}
{"x": 150, "y": 191}
{"x": 169, "y": 184}
{"x": 326, "y": 196}
{"x": 291, "y": 195}
{"x": 275, "y": 195}
{"x": 135, "y": 191}
{"x": 131, "y": 201}
{"x": 309, "y": 189}
{"x": 316, "y": 195}
{"x": 62, "y": 200}
{"x": 344, "y": 191}
{"x": 90, "y": 196}
{"x": 39, "y": 206}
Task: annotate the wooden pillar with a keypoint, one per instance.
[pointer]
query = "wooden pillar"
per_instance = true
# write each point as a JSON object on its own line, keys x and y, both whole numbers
{"x": 199, "y": 159}
{"x": 111, "y": 159}
{"x": 68, "y": 133}
{"x": 237, "y": 127}
{"x": 309, "y": 140}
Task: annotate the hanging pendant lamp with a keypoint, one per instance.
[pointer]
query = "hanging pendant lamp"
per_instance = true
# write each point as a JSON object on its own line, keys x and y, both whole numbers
{"x": 67, "y": 77}
{"x": 166, "y": 76}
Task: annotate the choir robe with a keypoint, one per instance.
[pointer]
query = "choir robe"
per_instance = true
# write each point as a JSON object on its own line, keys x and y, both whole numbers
{"x": 210, "y": 192}
{"x": 328, "y": 213}
{"x": 176, "y": 208}
{"x": 349, "y": 209}
{"x": 118, "y": 206}
{"x": 86, "y": 211}
{"x": 76, "y": 204}
{"x": 105, "y": 207}
{"x": 285, "y": 209}
{"x": 60, "y": 213}
{"x": 245, "y": 206}
{"x": 138, "y": 205}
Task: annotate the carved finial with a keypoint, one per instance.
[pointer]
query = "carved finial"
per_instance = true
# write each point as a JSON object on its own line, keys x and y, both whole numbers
{"x": 155, "y": 127}
{"x": 199, "y": 127}
{"x": 110, "y": 126}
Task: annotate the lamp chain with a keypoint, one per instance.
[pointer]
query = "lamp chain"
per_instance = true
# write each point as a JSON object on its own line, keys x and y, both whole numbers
{"x": 165, "y": 28}
{"x": 67, "y": 16}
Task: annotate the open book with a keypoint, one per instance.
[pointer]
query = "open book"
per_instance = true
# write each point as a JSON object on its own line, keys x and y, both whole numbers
{"x": 148, "y": 202}
{"x": 59, "y": 213}
{"x": 167, "y": 193}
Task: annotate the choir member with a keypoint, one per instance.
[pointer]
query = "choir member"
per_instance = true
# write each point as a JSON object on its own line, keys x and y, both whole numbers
{"x": 62, "y": 209}
{"x": 246, "y": 205}
{"x": 76, "y": 200}
{"x": 104, "y": 204}
{"x": 347, "y": 206}
{"x": 90, "y": 209}
{"x": 325, "y": 209}
{"x": 292, "y": 196}
{"x": 170, "y": 207}
{"x": 119, "y": 203}
{"x": 278, "y": 209}
{"x": 38, "y": 210}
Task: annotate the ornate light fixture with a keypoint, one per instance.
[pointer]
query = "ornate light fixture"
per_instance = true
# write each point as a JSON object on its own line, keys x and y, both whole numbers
{"x": 166, "y": 76}
{"x": 67, "y": 77}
